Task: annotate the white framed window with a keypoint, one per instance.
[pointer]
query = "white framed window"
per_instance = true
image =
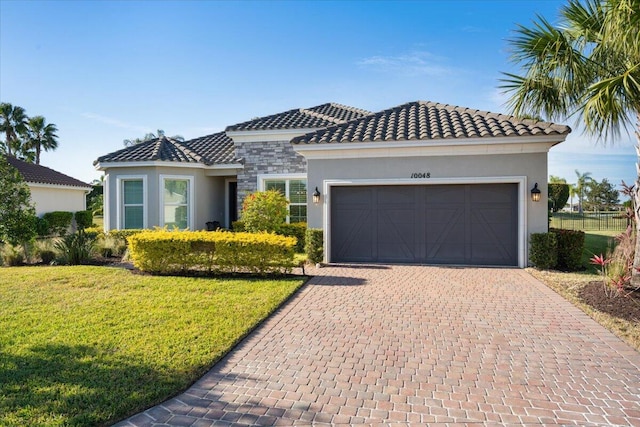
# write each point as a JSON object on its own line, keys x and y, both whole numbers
{"x": 132, "y": 202}
{"x": 176, "y": 201}
{"x": 294, "y": 188}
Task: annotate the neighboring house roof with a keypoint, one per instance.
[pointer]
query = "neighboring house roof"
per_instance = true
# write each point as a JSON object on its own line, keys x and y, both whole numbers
{"x": 320, "y": 116}
{"x": 424, "y": 120}
{"x": 38, "y": 174}
{"x": 211, "y": 149}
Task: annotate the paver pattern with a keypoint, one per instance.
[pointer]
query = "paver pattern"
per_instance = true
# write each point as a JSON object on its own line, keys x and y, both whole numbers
{"x": 417, "y": 345}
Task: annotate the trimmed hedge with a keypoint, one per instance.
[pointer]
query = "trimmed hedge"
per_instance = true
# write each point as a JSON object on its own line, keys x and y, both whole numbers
{"x": 42, "y": 227}
{"x": 297, "y": 230}
{"x": 314, "y": 247}
{"x": 59, "y": 222}
{"x": 543, "y": 252}
{"x": 84, "y": 219}
{"x": 166, "y": 252}
{"x": 570, "y": 246}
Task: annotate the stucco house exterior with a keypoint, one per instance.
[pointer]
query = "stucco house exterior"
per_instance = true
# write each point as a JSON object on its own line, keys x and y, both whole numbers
{"x": 418, "y": 183}
{"x": 52, "y": 190}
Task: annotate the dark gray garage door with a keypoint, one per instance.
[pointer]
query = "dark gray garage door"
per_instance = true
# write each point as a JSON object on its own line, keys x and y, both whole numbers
{"x": 436, "y": 224}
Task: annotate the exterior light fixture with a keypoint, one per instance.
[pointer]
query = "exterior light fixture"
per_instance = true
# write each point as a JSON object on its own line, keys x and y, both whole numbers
{"x": 316, "y": 196}
{"x": 535, "y": 193}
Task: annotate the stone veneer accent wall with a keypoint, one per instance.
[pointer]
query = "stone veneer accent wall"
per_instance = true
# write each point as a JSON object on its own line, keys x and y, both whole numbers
{"x": 273, "y": 157}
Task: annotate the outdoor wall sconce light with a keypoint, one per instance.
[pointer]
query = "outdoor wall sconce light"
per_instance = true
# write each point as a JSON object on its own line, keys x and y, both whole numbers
{"x": 535, "y": 193}
{"x": 316, "y": 196}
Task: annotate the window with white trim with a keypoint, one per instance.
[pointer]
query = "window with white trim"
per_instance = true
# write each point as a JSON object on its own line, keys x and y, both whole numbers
{"x": 132, "y": 203}
{"x": 295, "y": 190}
{"x": 176, "y": 202}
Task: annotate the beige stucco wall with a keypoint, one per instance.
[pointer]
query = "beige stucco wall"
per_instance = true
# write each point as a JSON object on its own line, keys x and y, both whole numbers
{"x": 209, "y": 194}
{"x": 441, "y": 168}
{"x": 51, "y": 198}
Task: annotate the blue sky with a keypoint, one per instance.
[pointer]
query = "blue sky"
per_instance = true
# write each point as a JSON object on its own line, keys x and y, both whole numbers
{"x": 105, "y": 71}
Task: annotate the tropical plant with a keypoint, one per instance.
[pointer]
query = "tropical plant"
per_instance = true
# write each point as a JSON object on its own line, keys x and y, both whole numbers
{"x": 40, "y": 136}
{"x": 582, "y": 182}
{"x": 148, "y": 137}
{"x": 556, "y": 180}
{"x": 13, "y": 123}
{"x": 588, "y": 64}
{"x": 76, "y": 248}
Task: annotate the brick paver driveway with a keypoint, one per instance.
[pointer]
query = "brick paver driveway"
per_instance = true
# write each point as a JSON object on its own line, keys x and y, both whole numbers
{"x": 418, "y": 345}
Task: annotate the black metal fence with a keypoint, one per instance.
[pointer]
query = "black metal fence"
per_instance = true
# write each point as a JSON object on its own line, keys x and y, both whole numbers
{"x": 590, "y": 221}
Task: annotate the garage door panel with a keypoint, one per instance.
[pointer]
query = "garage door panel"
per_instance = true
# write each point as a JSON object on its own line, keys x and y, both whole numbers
{"x": 439, "y": 224}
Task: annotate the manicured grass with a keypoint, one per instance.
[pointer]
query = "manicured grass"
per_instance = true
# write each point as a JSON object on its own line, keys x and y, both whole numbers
{"x": 87, "y": 346}
{"x": 596, "y": 243}
{"x": 589, "y": 221}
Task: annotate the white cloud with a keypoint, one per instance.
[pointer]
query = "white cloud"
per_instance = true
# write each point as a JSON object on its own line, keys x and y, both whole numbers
{"x": 417, "y": 63}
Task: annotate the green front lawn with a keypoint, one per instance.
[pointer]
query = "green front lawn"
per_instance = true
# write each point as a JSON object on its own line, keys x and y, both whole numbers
{"x": 88, "y": 346}
{"x": 596, "y": 243}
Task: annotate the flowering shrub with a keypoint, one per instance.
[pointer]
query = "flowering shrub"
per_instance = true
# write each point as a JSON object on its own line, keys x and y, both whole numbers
{"x": 264, "y": 211}
{"x": 617, "y": 267}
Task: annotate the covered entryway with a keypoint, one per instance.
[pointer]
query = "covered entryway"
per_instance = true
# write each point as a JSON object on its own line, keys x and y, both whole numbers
{"x": 469, "y": 224}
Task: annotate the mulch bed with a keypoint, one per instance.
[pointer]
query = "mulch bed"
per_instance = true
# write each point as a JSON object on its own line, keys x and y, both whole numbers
{"x": 625, "y": 306}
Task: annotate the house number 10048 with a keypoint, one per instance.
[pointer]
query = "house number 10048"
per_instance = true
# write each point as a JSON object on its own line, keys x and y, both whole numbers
{"x": 421, "y": 175}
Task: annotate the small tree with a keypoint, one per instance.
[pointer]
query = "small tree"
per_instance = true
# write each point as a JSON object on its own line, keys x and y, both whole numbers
{"x": 264, "y": 211}
{"x": 558, "y": 194}
{"x": 17, "y": 214}
{"x": 601, "y": 195}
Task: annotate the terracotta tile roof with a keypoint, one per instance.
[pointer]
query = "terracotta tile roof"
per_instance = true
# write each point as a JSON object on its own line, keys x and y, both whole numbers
{"x": 38, "y": 174}
{"x": 210, "y": 149}
{"x": 423, "y": 120}
{"x": 303, "y": 118}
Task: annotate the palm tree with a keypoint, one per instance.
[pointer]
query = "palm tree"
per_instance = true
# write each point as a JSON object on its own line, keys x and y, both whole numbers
{"x": 582, "y": 182}
{"x": 148, "y": 137}
{"x": 573, "y": 191}
{"x": 13, "y": 123}
{"x": 40, "y": 136}
{"x": 588, "y": 65}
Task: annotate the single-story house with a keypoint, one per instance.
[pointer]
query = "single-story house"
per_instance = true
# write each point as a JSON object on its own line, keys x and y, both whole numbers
{"x": 51, "y": 190}
{"x": 418, "y": 183}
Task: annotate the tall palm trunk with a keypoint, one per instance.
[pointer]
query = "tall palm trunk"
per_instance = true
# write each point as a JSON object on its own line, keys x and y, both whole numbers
{"x": 635, "y": 274}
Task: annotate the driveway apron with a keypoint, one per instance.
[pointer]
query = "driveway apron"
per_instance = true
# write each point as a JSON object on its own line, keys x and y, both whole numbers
{"x": 417, "y": 345}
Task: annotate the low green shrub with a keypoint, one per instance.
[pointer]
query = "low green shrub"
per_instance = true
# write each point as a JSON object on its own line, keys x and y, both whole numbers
{"x": 42, "y": 227}
{"x": 543, "y": 251}
{"x": 59, "y": 222}
{"x": 166, "y": 252}
{"x": 84, "y": 219}
{"x": 238, "y": 226}
{"x": 297, "y": 230}
{"x": 124, "y": 235}
{"x": 570, "y": 245}
{"x": 47, "y": 256}
{"x": 314, "y": 245}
